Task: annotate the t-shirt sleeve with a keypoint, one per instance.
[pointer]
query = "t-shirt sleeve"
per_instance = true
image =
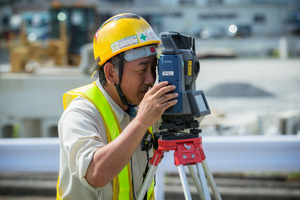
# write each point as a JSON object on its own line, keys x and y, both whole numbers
{"x": 82, "y": 132}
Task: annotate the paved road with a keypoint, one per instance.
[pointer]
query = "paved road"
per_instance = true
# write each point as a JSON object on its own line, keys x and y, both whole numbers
{"x": 231, "y": 187}
{"x": 237, "y": 187}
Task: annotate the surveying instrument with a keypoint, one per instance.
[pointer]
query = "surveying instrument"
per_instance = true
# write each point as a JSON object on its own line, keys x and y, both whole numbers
{"x": 179, "y": 66}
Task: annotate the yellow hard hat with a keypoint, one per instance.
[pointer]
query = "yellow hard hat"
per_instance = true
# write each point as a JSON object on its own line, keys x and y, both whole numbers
{"x": 120, "y": 33}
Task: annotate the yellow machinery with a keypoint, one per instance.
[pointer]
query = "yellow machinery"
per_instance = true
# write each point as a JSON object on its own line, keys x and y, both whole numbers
{"x": 80, "y": 26}
{"x": 71, "y": 27}
{"x": 24, "y": 51}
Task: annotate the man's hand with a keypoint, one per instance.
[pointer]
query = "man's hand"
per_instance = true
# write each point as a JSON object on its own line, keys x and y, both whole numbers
{"x": 155, "y": 102}
{"x": 110, "y": 159}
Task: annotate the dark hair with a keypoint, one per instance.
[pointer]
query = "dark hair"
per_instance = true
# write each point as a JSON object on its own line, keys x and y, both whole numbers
{"x": 115, "y": 61}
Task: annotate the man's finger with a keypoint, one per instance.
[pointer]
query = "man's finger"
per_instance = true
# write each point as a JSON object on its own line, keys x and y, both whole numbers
{"x": 165, "y": 90}
{"x": 158, "y": 86}
{"x": 169, "y": 97}
{"x": 169, "y": 104}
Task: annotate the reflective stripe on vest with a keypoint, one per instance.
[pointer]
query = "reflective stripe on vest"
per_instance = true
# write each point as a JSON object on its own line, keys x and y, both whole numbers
{"x": 122, "y": 186}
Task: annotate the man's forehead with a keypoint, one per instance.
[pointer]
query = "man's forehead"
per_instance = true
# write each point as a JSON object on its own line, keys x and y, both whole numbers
{"x": 151, "y": 59}
{"x": 141, "y": 63}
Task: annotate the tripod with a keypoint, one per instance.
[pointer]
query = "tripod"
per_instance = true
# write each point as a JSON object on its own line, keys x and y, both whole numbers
{"x": 188, "y": 151}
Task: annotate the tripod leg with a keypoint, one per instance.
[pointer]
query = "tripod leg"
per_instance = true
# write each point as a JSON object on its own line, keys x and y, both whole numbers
{"x": 147, "y": 182}
{"x": 211, "y": 181}
{"x": 184, "y": 183}
{"x": 197, "y": 182}
{"x": 203, "y": 181}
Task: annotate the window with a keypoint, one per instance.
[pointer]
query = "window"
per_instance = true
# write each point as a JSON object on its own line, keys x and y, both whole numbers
{"x": 259, "y": 18}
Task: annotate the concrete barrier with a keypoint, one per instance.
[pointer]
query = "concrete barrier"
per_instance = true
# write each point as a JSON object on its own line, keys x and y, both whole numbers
{"x": 29, "y": 155}
{"x": 224, "y": 154}
{"x": 49, "y": 127}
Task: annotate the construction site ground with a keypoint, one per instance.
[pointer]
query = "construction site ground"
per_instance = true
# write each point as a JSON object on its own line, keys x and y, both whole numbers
{"x": 231, "y": 186}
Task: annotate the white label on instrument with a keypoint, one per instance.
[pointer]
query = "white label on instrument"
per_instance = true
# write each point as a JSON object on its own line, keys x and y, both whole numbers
{"x": 168, "y": 73}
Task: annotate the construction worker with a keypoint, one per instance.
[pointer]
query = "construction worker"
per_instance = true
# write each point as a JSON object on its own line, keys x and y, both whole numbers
{"x": 101, "y": 130}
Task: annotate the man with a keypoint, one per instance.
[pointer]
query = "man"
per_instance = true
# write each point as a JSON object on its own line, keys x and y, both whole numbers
{"x": 100, "y": 136}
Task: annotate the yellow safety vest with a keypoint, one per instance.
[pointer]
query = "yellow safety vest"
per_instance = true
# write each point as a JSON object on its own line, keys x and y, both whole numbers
{"x": 122, "y": 186}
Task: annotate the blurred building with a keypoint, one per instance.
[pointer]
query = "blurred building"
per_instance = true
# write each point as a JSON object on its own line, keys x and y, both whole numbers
{"x": 213, "y": 18}
{"x": 202, "y": 18}
{"x": 260, "y": 22}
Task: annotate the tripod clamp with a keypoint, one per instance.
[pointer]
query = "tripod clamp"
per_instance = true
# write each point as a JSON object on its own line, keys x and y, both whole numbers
{"x": 188, "y": 151}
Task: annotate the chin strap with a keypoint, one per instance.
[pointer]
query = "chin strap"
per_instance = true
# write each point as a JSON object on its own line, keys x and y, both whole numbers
{"x": 118, "y": 86}
{"x": 122, "y": 97}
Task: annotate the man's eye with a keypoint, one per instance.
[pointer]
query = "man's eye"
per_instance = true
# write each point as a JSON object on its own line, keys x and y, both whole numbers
{"x": 142, "y": 70}
{"x": 153, "y": 68}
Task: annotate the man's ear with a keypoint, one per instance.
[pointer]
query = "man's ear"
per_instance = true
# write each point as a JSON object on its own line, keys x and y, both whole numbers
{"x": 111, "y": 73}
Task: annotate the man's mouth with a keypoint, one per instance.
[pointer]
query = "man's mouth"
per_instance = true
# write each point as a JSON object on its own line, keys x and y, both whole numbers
{"x": 145, "y": 90}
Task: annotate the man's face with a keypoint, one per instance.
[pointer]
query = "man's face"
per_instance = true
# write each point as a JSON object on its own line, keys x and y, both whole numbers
{"x": 138, "y": 76}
